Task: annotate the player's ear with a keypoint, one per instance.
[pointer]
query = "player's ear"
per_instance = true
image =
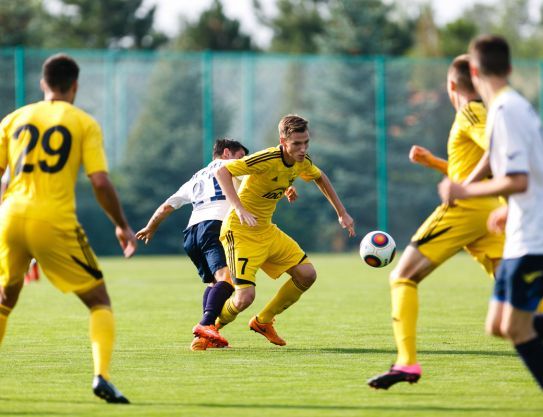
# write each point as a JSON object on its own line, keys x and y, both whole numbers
{"x": 474, "y": 71}
{"x": 226, "y": 154}
{"x": 42, "y": 85}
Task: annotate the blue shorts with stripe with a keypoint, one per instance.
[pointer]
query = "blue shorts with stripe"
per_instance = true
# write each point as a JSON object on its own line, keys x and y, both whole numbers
{"x": 519, "y": 282}
{"x": 202, "y": 244}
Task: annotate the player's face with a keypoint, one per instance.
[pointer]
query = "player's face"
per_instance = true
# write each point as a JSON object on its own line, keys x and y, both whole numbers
{"x": 238, "y": 154}
{"x": 451, "y": 90}
{"x": 295, "y": 146}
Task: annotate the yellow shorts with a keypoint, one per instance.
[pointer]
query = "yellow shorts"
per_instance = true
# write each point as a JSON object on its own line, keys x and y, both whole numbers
{"x": 268, "y": 248}
{"x": 63, "y": 254}
{"x": 450, "y": 229}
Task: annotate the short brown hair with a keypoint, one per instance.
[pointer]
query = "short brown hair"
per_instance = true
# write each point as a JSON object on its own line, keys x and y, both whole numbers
{"x": 224, "y": 143}
{"x": 491, "y": 55}
{"x": 459, "y": 69}
{"x": 290, "y": 124}
{"x": 59, "y": 72}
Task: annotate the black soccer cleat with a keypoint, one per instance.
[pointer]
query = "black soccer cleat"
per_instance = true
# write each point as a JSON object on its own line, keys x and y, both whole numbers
{"x": 107, "y": 391}
{"x": 393, "y": 376}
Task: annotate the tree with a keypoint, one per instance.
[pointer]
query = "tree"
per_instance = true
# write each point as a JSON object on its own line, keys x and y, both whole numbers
{"x": 296, "y": 26}
{"x": 165, "y": 147}
{"x": 213, "y": 31}
{"x": 102, "y": 24}
{"x": 20, "y": 22}
{"x": 455, "y": 37}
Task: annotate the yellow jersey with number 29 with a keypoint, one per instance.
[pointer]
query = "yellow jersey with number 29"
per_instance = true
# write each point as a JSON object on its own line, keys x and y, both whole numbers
{"x": 44, "y": 145}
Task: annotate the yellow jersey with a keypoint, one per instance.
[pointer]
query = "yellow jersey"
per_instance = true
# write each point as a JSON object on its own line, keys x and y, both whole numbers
{"x": 466, "y": 145}
{"x": 266, "y": 177}
{"x": 44, "y": 145}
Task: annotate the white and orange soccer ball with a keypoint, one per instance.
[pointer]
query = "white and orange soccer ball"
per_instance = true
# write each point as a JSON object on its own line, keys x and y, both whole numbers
{"x": 377, "y": 249}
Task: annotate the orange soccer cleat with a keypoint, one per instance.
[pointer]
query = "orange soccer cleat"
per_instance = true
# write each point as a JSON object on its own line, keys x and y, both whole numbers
{"x": 210, "y": 332}
{"x": 266, "y": 330}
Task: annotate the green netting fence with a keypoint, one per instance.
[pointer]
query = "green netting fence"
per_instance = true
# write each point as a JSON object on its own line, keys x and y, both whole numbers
{"x": 161, "y": 112}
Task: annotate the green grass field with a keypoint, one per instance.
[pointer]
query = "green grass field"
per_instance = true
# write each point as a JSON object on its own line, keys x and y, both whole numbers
{"x": 338, "y": 335}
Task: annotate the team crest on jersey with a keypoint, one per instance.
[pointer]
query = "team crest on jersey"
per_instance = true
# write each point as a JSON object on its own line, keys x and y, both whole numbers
{"x": 274, "y": 194}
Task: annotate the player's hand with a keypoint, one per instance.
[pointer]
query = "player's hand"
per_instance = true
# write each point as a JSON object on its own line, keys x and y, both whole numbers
{"x": 420, "y": 155}
{"x": 347, "y": 222}
{"x": 291, "y": 193}
{"x": 145, "y": 234}
{"x": 245, "y": 217}
{"x": 450, "y": 191}
{"x": 127, "y": 240}
{"x": 497, "y": 219}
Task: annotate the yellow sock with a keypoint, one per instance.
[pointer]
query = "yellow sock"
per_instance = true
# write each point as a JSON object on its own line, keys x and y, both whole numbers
{"x": 4, "y": 313}
{"x": 540, "y": 307}
{"x": 102, "y": 335}
{"x": 229, "y": 313}
{"x": 405, "y": 308}
{"x": 287, "y": 295}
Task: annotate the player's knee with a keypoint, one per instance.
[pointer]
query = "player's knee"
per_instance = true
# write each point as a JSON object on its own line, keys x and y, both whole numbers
{"x": 514, "y": 333}
{"x": 493, "y": 329}
{"x": 243, "y": 299}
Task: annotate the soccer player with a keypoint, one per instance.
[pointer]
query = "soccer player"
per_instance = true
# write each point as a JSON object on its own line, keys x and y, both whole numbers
{"x": 449, "y": 229}
{"x": 201, "y": 238}
{"x": 43, "y": 145}
{"x": 252, "y": 241}
{"x": 516, "y": 162}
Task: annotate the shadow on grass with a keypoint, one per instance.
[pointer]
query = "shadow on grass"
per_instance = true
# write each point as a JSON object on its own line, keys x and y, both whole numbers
{"x": 393, "y": 351}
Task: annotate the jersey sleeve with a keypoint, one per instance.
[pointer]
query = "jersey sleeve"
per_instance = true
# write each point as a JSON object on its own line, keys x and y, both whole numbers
{"x": 94, "y": 156}
{"x": 252, "y": 164}
{"x": 310, "y": 172}
{"x": 182, "y": 196}
{"x": 512, "y": 134}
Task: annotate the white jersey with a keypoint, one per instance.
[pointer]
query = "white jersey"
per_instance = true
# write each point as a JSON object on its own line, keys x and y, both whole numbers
{"x": 204, "y": 193}
{"x": 516, "y": 146}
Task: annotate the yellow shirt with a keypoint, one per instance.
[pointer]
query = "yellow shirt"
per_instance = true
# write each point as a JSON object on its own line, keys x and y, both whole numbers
{"x": 266, "y": 177}
{"x": 44, "y": 145}
{"x": 467, "y": 144}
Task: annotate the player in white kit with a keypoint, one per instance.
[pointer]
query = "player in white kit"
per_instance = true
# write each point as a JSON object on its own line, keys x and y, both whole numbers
{"x": 516, "y": 163}
{"x": 201, "y": 237}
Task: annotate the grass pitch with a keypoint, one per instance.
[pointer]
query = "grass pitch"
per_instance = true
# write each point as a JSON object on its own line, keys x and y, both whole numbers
{"x": 338, "y": 335}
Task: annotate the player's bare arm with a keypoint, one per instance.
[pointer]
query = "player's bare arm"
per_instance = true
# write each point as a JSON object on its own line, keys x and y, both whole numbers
{"x": 224, "y": 177}
{"x": 326, "y": 187}
{"x": 504, "y": 186}
{"x": 161, "y": 213}
{"x": 422, "y": 156}
{"x": 481, "y": 171}
{"x": 109, "y": 201}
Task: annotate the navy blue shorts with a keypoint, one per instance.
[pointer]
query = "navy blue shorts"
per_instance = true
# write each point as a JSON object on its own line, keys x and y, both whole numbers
{"x": 519, "y": 282}
{"x": 202, "y": 244}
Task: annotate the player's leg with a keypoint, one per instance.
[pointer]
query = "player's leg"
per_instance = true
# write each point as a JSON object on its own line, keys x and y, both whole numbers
{"x": 517, "y": 326}
{"x": 411, "y": 269}
{"x": 442, "y": 235}
{"x": 245, "y": 252}
{"x": 69, "y": 263}
{"x": 14, "y": 261}
{"x": 215, "y": 260}
{"x": 8, "y": 298}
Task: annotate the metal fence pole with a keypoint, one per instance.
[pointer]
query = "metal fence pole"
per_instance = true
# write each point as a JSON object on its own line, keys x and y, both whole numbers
{"x": 381, "y": 137}
{"x": 207, "y": 106}
{"x": 20, "y": 78}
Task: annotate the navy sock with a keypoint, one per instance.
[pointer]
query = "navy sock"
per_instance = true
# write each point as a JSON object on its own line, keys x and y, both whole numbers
{"x": 206, "y": 295}
{"x": 538, "y": 325}
{"x": 218, "y": 295}
{"x": 531, "y": 353}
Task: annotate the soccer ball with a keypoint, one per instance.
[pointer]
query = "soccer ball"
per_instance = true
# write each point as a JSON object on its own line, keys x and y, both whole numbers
{"x": 377, "y": 249}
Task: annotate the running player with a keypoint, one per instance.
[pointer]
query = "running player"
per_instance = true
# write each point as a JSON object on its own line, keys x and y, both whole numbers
{"x": 252, "y": 241}
{"x": 449, "y": 229}
{"x": 516, "y": 162}
{"x": 44, "y": 145}
{"x": 201, "y": 238}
